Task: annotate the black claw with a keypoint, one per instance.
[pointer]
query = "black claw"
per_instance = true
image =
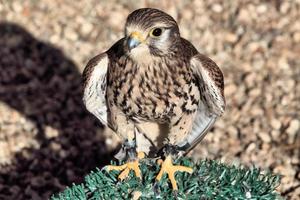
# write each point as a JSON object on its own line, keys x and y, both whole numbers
{"x": 175, "y": 193}
{"x": 156, "y": 188}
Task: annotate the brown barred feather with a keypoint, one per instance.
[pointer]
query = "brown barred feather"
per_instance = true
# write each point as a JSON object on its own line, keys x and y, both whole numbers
{"x": 147, "y": 17}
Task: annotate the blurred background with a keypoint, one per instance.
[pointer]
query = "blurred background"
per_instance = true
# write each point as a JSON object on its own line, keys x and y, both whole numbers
{"x": 48, "y": 140}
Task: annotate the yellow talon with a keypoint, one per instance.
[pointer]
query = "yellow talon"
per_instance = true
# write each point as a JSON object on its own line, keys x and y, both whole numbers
{"x": 168, "y": 167}
{"x": 125, "y": 168}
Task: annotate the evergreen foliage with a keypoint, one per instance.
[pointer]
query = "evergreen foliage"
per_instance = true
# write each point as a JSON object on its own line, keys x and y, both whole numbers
{"x": 210, "y": 180}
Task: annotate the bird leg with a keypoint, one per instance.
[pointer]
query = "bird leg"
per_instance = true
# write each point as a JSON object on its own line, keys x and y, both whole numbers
{"x": 168, "y": 167}
{"x": 132, "y": 160}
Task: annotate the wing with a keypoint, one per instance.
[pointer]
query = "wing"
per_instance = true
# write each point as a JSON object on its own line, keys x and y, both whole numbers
{"x": 94, "y": 84}
{"x": 212, "y": 103}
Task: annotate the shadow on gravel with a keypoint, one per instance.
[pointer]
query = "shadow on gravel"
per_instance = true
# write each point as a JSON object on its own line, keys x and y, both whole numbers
{"x": 40, "y": 82}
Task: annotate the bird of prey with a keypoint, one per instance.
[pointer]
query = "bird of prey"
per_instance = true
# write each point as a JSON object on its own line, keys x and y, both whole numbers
{"x": 155, "y": 90}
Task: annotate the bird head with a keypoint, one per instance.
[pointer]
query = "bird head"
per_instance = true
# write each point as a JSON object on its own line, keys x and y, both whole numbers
{"x": 149, "y": 33}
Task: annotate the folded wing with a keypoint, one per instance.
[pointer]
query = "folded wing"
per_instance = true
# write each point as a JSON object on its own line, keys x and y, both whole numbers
{"x": 94, "y": 84}
{"x": 212, "y": 104}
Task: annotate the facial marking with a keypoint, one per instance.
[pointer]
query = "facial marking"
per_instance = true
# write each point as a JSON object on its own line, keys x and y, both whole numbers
{"x": 137, "y": 35}
{"x": 162, "y": 42}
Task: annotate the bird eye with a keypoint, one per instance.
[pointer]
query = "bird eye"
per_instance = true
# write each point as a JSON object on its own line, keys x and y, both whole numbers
{"x": 156, "y": 32}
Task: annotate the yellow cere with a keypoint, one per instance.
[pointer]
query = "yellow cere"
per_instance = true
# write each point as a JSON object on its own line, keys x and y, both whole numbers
{"x": 136, "y": 35}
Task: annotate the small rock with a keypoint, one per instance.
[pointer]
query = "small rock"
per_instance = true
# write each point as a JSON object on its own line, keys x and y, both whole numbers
{"x": 230, "y": 89}
{"x": 275, "y": 134}
{"x": 55, "y": 146}
{"x": 51, "y": 132}
{"x": 262, "y": 8}
{"x": 217, "y": 8}
{"x": 296, "y": 37}
{"x": 251, "y": 147}
{"x": 255, "y": 92}
{"x": 284, "y": 7}
{"x": 276, "y": 124}
{"x": 232, "y": 130}
{"x": 250, "y": 79}
{"x": 231, "y": 37}
{"x": 17, "y": 6}
{"x": 70, "y": 34}
{"x": 293, "y": 127}
{"x": 54, "y": 39}
{"x": 86, "y": 28}
{"x": 244, "y": 15}
{"x": 187, "y": 14}
{"x": 265, "y": 137}
{"x": 283, "y": 63}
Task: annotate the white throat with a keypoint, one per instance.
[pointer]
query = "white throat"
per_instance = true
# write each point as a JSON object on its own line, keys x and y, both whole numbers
{"x": 141, "y": 55}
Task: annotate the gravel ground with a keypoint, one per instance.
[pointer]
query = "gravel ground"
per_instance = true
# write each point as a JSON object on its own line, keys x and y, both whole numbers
{"x": 48, "y": 140}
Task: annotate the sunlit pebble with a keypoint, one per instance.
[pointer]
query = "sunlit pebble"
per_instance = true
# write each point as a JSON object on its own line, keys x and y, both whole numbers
{"x": 285, "y": 100}
{"x": 231, "y": 37}
{"x": 187, "y": 14}
{"x": 86, "y": 28}
{"x": 285, "y": 6}
{"x": 251, "y": 147}
{"x": 293, "y": 127}
{"x": 251, "y": 79}
{"x": 276, "y": 124}
{"x": 265, "y": 137}
{"x": 268, "y": 97}
{"x": 17, "y": 7}
{"x": 55, "y": 146}
{"x": 70, "y": 34}
{"x": 233, "y": 131}
{"x": 283, "y": 63}
{"x": 255, "y": 92}
{"x": 54, "y": 39}
{"x": 51, "y": 132}
{"x": 230, "y": 89}
{"x": 282, "y": 23}
{"x": 262, "y": 8}
{"x": 244, "y": 16}
{"x": 275, "y": 134}
{"x": 217, "y": 8}
{"x": 296, "y": 37}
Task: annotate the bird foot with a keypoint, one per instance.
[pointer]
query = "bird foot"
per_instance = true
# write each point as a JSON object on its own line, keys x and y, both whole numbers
{"x": 168, "y": 167}
{"x": 130, "y": 165}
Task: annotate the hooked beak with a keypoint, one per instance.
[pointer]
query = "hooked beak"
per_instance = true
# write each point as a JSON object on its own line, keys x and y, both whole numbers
{"x": 134, "y": 40}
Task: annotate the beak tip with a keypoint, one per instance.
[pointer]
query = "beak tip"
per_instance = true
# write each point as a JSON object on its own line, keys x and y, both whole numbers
{"x": 132, "y": 43}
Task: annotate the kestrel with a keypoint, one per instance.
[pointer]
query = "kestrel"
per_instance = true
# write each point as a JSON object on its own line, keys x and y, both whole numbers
{"x": 155, "y": 90}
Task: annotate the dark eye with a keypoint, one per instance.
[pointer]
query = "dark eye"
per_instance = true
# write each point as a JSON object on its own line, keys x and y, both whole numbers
{"x": 156, "y": 32}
